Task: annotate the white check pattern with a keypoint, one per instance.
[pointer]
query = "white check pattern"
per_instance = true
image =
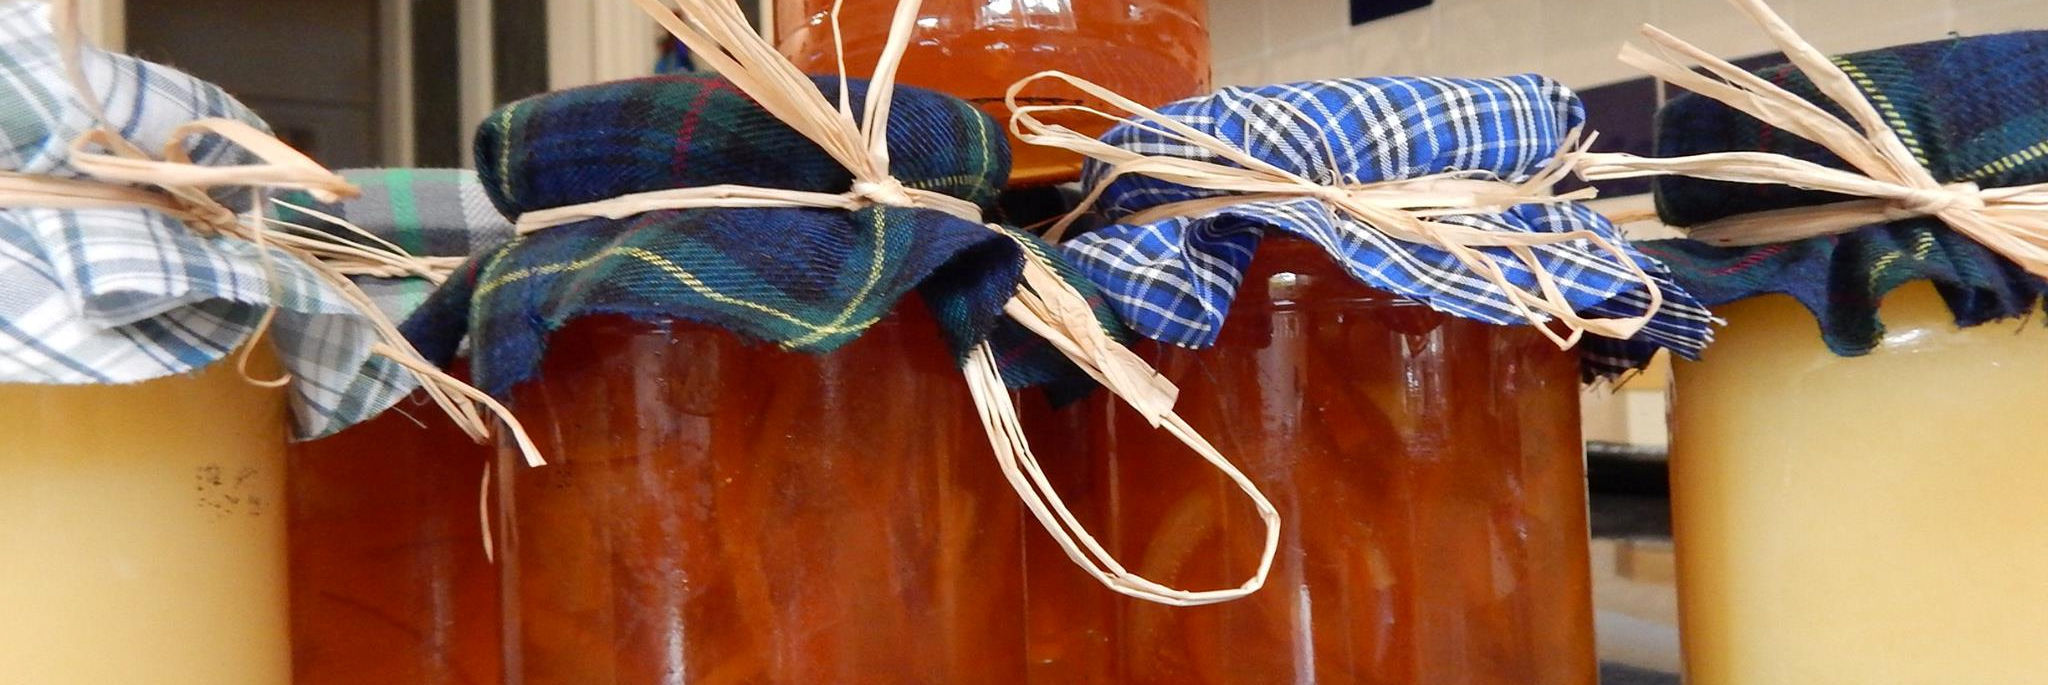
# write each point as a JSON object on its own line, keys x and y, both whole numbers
{"x": 1173, "y": 280}
{"x": 121, "y": 296}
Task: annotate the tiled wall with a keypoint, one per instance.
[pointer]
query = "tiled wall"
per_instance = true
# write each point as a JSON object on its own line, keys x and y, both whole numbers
{"x": 1264, "y": 41}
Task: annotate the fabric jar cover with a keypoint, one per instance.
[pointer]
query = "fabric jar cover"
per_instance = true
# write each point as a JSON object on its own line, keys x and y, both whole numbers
{"x": 1970, "y": 109}
{"x": 126, "y": 295}
{"x": 806, "y": 279}
{"x": 425, "y": 212}
{"x": 1174, "y": 279}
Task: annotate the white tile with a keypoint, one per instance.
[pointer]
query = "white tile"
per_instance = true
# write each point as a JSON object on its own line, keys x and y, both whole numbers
{"x": 1291, "y": 23}
{"x": 1581, "y": 38}
{"x": 1237, "y": 29}
{"x": 1976, "y": 17}
{"x": 1838, "y": 26}
{"x": 1488, "y": 37}
{"x": 1574, "y": 25}
{"x": 1586, "y": 66}
{"x": 1320, "y": 59}
{"x": 1247, "y": 72}
{"x": 1719, "y": 28}
{"x": 1400, "y": 45}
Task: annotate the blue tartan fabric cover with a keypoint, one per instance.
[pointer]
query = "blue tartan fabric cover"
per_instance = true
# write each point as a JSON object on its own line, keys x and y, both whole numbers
{"x": 1970, "y": 109}
{"x": 808, "y": 280}
{"x": 1173, "y": 280}
{"x": 125, "y": 295}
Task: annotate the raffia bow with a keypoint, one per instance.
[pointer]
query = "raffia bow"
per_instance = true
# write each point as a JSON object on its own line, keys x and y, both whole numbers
{"x": 1403, "y": 208}
{"x": 717, "y": 33}
{"x": 2012, "y": 221}
{"x": 124, "y": 176}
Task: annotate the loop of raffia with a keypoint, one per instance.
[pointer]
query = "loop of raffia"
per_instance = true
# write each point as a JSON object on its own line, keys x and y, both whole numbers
{"x": 718, "y": 34}
{"x": 1403, "y": 209}
{"x": 2011, "y": 221}
{"x": 124, "y": 176}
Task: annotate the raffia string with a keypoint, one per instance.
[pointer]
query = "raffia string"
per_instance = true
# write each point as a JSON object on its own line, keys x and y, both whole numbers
{"x": 382, "y": 259}
{"x": 124, "y": 176}
{"x": 1402, "y": 208}
{"x": 2011, "y": 221}
{"x": 736, "y": 196}
{"x": 718, "y": 34}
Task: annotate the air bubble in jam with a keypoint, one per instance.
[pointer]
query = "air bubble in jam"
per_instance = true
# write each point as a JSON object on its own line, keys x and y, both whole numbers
{"x": 1284, "y": 287}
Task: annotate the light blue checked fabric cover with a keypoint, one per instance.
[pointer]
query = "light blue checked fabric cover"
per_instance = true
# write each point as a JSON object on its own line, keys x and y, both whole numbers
{"x": 1173, "y": 280}
{"x": 120, "y": 296}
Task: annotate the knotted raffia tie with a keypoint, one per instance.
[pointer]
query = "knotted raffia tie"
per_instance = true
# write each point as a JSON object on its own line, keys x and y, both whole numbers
{"x": 2011, "y": 221}
{"x": 123, "y": 176}
{"x": 718, "y": 34}
{"x": 1401, "y": 208}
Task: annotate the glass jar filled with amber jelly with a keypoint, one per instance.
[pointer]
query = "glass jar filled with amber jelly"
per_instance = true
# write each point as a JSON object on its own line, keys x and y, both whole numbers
{"x": 1153, "y": 51}
{"x": 155, "y": 348}
{"x": 1428, "y": 468}
{"x": 1861, "y": 519}
{"x": 144, "y": 531}
{"x": 1389, "y": 362}
{"x": 389, "y": 578}
{"x": 1855, "y": 464}
{"x": 719, "y": 510}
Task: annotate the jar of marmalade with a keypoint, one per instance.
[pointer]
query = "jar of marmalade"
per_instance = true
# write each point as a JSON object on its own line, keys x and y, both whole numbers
{"x": 1429, "y": 470}
{"x": 718, "y": 510}
{"x": 1152, "y": 51}
{"x": 389, "y": 581}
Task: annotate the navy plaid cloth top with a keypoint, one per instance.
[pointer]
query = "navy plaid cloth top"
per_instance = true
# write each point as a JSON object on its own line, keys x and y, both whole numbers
{"x": 1173, "y": 279}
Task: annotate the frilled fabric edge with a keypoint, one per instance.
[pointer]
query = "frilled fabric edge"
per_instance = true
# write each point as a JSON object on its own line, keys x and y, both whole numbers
{"x": 424, "y": 212}
{"x": 650, "y": 268}
{"x": 1174, "y": 280}
{"x": 1843, "y": 279}
{"x": 74, "y": 314}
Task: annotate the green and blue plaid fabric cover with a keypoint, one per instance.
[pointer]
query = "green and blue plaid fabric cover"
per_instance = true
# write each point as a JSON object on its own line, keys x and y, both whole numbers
{"x": 120, "y": 296}
{"x": 808, "y": 280}
{"x": 1971, "y": 109}
{"x": 426, "y": 212}
{"x": 1173, "y": 280}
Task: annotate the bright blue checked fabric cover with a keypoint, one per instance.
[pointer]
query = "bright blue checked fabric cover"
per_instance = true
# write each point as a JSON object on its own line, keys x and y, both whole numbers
{"x": 1173, "y": 280}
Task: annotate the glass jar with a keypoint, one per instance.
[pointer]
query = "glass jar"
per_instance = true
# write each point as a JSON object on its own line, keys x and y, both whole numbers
{"x": 716, "y": 510}
{"x": 142, "y": 531}
{"x": 389, "y": 579}
{"x": 1151, "y": 51}
{"x": 1870, "y": 519}
{"x": 1429, "y": 472}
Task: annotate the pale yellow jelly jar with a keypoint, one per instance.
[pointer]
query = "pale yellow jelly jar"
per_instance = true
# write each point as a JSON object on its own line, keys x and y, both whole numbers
{"x": 142, "y": 532}
{"x": 1869, "y": 520}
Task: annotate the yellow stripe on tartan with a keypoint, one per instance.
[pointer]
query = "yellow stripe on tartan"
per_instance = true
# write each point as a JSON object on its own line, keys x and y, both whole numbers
{"x": 1923, "y": 245}
{"x": 1884, "y": 104}
{"x": 937, "y": 184}
{"x": 2006, "y": 163}
{"x": 505, "y": 151}
{"x": 881, "y": 238}
{"x": 819, "y": 332}
{"x": 980, "y": 143}
{"x": 1877, "y": 268}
